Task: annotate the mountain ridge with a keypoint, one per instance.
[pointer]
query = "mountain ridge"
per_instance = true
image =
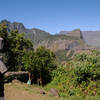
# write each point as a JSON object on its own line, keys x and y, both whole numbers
{"x": 36, "y": 35}
{"x": 63, "y": 44}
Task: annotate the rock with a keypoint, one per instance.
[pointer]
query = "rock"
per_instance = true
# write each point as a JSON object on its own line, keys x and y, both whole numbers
{"x": 54, "y": 92}
{"x": 42, "y": 92}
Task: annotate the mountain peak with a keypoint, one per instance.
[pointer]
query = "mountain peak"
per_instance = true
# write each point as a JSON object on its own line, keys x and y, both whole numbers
{"x": 36, "y": 35}
{"x": 12, "y": 26}
{"x": 4, "y": 21}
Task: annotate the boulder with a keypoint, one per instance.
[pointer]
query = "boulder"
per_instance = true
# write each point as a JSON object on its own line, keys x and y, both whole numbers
{"x": 42, "y": 92}
{"x": 54, "y": 92}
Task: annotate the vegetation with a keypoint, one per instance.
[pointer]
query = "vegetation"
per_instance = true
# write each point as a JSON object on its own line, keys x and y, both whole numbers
{"x": 40, "y": 64}
{"x": 15, "y": 46}
{"x": 80, "y": 77}
{"x": 20, "y": 55}
{"x": 61, "y": 55}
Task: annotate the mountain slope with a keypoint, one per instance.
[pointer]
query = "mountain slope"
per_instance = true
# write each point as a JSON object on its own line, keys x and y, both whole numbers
{"x": 65, "y": 46}
{"x": 36, "y": 35}
{"x": 92, "y": 38}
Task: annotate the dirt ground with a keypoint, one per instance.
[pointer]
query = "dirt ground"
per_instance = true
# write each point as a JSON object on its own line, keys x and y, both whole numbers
{"x": 23, "y": 92}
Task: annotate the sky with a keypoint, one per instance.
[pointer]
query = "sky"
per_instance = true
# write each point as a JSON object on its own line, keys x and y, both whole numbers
{"x": 53, "y": 15}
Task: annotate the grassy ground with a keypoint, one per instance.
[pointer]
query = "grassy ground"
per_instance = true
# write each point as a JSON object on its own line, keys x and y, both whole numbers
{"x": 25, "y": 92}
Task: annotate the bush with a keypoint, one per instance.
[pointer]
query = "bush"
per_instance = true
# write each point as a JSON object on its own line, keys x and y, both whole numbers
{"x": 80, "y": 77}
{"x": 87, "y": 67}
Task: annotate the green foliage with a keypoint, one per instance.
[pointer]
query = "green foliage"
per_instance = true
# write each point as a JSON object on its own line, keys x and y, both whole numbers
{"x": 15, "y": 46}
{"x": 62, "y": 81}
{"x": 80, "y": 77}
{"x": 40, "y": 63}
{"x": 45, "y": 63}
{"x": 21, "y": 56}
{"x": 18, "y": 46}
{"x": 4, "y": 35}
{"x": 29, "y": 61}
{"x": 87, "y": 67}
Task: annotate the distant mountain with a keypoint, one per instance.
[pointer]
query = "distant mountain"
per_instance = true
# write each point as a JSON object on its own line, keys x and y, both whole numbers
{"x": 91, "y": 38}
{"x": 65, "y": 43}
{"x": 36, "y": 35}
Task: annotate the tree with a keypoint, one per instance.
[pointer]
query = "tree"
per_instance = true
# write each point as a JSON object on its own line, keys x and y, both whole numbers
{"x": 40, "y": 63}
{"x": 30, "y": 63}
{"x": 15, "y": 46}
{"x": 4, "y": 34}
{"x": 45, "y": 64}
{"x": 18, "y": 46}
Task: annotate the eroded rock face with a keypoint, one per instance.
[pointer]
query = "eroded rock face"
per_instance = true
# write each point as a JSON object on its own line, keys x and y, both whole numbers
{"x": 92, "y": 38}
{"x": 72, "y": 45}
{"x": 54, "y": 92}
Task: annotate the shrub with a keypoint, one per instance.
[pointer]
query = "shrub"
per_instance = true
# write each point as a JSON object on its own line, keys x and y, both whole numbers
{"x": 80, "y": 77}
